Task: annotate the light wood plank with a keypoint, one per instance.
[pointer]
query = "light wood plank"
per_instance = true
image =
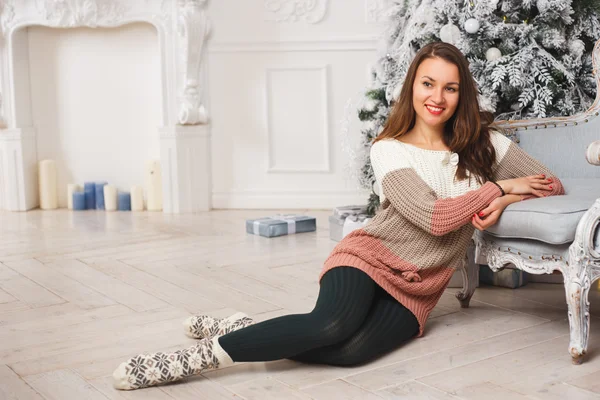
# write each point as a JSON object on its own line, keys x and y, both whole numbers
{"x": 248, "y": 285}
{"x": 177, "y": 296}
{"x": 340, "y": 389}
{"x": 153, "y": 338}
{"x": 562, "y": 391}
{"x": 209, "y": 289}
{"x": 105, "y": 386}
{"x": 113, "y": 288}
{"x": 199, "y": 388}
{"x": 13, "y": 306}
{"x": 500, "y": 369}
{"x": 63, "y": 384}
{"x": 12, "y": 387}
{"x": 64, "y": 321}
{"x": 489, "y": 391}
{"x": 414, "y": 390}
{"x": 65, "y": 287}
{"x": 6, "y": 298}
{"x": 589, "y": 382}
{"x": 25, "y": 290}
{"x": 59, "y": 343}
{"x": 267, "y": 389}
{"x": 35, "y": 314}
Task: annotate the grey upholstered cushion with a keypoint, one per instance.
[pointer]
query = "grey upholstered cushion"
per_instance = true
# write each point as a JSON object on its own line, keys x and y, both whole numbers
{"x": 552, "y": 220}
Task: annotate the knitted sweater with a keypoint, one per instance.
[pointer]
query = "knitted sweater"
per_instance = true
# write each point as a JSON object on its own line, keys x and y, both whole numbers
{"x": 422, "y": 230}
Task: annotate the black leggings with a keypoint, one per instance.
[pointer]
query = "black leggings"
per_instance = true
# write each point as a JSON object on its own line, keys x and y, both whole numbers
{"x": 353, "y": 322}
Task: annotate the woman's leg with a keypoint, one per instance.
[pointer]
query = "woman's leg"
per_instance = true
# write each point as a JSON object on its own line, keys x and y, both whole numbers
{"x": 345, "y": 297}
{"x": 344, "y": 300}
{"x": 388, "y": 325}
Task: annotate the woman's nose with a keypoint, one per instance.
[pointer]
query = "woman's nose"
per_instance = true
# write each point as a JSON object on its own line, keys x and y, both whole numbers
{"x": 437, "y": 96}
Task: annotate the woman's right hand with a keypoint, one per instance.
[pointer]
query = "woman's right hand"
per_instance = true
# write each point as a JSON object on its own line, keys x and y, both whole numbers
{"x": 534, "y": 184}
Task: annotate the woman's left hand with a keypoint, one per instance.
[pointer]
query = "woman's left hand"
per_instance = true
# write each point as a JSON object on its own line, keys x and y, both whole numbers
{"x": 489, "y": 216}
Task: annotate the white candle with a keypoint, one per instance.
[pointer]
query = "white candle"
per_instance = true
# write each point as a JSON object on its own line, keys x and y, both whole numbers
{"x": 72, "y": 188}
{"x": 110, "y": 198}
{"x": 47, "y": 185}
{"x": 137, "y": 198}
{"x": 154, "y": 186}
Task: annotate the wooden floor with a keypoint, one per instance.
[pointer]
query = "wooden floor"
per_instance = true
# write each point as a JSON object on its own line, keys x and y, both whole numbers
{"x": 81, "y": 292}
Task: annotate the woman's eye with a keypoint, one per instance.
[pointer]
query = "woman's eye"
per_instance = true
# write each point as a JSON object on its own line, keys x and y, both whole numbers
{"x": 427, "y": 84}
{"x": 452, "y": 89}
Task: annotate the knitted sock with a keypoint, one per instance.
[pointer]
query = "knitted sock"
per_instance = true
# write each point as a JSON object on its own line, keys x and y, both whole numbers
{"x": 152, "y": 369}
{"x": 205, "y": 326}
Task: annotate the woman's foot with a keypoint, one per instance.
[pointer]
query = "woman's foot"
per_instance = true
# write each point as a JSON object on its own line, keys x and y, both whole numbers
{"x": 153, "y": 369}
{"x": 205, "y": 326}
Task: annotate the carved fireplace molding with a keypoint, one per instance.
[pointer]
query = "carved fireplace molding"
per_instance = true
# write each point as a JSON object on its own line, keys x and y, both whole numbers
{"x": 182, "y": 29}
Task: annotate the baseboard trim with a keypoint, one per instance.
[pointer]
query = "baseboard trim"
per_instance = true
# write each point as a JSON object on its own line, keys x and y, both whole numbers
{"x": 287, "y": 200}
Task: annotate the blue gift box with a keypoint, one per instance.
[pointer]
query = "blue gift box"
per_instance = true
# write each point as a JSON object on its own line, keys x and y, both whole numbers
{"x": 280, "y": 225}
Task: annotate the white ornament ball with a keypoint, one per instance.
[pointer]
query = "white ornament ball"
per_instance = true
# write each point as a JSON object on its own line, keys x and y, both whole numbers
{"x": 472, "y": 25}
{"x": 450, "y": 33}
{"x": 577, "y": 47}
{"x": 493, "y": 54}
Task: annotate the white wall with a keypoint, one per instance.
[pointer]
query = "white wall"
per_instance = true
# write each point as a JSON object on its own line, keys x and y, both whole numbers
{"x": 275, "y": 93}
{"x": 276, "y": 98}
{"x": 96, "y": 102}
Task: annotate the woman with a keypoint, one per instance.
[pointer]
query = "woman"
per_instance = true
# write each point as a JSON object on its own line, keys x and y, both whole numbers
{"x": 441, "y": 172}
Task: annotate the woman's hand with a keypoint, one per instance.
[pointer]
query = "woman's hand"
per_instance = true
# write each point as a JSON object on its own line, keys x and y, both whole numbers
{"x": 489, "y": 215}
{"x": 534, "y": 184}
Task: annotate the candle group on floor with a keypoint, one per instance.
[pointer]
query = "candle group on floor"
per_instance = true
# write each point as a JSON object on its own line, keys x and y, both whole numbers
{"x": 101, "y": 195}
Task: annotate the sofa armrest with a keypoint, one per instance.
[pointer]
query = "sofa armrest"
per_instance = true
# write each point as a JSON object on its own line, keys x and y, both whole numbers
{"x": 592, "y": 154}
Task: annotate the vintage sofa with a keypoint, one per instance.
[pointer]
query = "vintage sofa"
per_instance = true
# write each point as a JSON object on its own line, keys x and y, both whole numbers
{"x": 561, "y": 233}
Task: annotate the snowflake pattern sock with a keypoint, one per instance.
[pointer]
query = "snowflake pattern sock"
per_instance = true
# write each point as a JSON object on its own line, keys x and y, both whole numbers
{"x": 153, "y": 369}
{"x": 205, "y": 326}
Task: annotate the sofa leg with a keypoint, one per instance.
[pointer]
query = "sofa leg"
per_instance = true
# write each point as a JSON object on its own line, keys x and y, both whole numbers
{"x": 577, "y": 287}
{"x": 470, "y": 275}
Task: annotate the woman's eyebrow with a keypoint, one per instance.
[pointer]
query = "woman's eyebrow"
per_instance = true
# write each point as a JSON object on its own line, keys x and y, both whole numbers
{"x": 433, "y": 80}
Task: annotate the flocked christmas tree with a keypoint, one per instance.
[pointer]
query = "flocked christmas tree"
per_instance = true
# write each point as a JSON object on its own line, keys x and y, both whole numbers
{"x": 530, "y": 58}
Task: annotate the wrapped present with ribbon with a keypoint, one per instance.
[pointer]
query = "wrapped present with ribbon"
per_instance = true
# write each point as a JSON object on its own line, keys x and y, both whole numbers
{"x": 345, "y": 219}
{"x": 281, "y": 224}
{"x": 345, "y": 211}
{"x": 354, "y": 222}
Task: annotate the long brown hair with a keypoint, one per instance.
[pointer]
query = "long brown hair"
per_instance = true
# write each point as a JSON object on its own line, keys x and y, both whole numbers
{"x": 467, "y": 132}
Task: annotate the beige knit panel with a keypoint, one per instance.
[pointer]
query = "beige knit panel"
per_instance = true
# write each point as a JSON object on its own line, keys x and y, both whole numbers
{"x": 414, "y": 245}
{"x": 405, "y": 185}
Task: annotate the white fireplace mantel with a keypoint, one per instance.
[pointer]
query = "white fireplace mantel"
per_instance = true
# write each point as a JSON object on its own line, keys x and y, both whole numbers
{"x": 182, "y": 27}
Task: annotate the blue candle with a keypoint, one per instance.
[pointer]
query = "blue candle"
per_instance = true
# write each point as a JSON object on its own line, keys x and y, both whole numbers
{"x": 78, "y": 201}
{"x": 89, "y": 188}
{"x": 124, "y": 199}
{"x": 100, "y": 195}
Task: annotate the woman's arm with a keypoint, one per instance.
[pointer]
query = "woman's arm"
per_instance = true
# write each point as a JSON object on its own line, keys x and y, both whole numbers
{"x": 416, "y": 201}
{"x": 514, "y": 162}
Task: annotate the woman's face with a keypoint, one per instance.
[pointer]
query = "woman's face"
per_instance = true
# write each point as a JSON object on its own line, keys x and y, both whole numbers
{"x": 435, "y": 91}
